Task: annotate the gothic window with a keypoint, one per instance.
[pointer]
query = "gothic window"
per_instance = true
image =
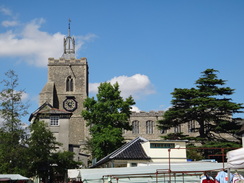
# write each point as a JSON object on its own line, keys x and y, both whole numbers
{"x": 149, "y": 127}
{"x": 54, "y": 120}
{"x": 191, "y": 126}
{"x": 69, "y": 84}
{"x": 177, "y": 129}
{"x": 135, "y": 127}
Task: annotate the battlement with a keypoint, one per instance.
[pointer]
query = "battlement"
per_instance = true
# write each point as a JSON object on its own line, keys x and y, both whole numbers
{"x": 63, "y": 61}
{"x": 147, "y": 114}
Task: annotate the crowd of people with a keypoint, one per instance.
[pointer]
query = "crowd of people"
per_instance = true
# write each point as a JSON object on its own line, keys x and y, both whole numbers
{"x": 222, "y": 177}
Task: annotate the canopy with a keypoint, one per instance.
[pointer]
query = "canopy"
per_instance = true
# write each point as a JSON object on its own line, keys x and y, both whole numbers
{"x": 13, "y": 177}
{"x": 97, "y": 175}
{"x": 235, "y": 158}
{"x": 74, "y": 173}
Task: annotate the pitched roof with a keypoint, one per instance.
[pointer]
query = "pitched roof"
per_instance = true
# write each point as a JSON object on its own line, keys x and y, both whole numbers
{"x": 54, "y": 111}
{"x": 129, "y": 151}
{"x": 47, "y": 109}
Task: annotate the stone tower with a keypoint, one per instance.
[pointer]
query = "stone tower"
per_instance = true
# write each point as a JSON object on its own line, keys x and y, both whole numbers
{"x": 66, "y": 89}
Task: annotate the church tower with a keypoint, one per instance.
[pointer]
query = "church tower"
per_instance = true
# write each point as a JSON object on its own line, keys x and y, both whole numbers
{"x": 66, "y": 90}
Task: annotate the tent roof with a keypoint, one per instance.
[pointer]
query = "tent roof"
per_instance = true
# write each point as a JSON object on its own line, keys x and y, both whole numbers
{"x": 235, "y": 158}
{"x": 98, "y": 173}
{"x": 13, "y": 177}
{"x": 74, "y": 173}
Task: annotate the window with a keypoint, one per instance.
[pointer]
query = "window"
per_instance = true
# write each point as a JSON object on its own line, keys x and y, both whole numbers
{"x": 191, "y": 126}
{"x": 149, "y": 127}
{"x": 162, "y": 145}
{"x": 54, "y": 120}
{"x": 133, "y": 164}
{"x": 177, "y": 129}
{"x": 162, "y": 131}
{"x": 69, "y": 84}
{"x": 135, "y": 127}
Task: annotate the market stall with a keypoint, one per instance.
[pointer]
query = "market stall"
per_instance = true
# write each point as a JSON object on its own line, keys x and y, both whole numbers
{"x": 235, "y": 161}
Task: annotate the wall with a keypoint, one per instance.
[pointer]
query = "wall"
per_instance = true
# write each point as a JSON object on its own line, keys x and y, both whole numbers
{"x": 55, "y": 92}
{"x": 61, "y": 132}
{"x": 143, "y": 117}
{"x": 178, "y": 154}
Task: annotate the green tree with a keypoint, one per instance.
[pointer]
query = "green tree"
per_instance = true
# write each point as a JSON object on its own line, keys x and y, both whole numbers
{"x": 12, "y": 133}
{"x": 42, "y": 144}
{"x": 207, "y": 104}
{"x": 107, "y": 117}
{"x": 62, "y": 161}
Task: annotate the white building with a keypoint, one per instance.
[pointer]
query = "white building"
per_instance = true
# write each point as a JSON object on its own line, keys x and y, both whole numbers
{"x": 140, "y": 152}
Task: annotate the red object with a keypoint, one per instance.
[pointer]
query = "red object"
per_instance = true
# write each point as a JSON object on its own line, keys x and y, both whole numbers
{"x": 208, "y": 181}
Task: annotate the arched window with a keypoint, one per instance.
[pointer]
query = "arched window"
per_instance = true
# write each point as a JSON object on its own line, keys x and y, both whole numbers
{"x": 177, "y": 129}
{"x": 135, "y": 127}
{"x": 149, "y": 127}
{"x": 69, "y": 84}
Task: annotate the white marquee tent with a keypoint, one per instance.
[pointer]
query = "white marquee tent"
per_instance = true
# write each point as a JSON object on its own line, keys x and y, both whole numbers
{"x": 235, "y": 159}
{"x": 145, "y": 173}
{"x": 13, "y": 177}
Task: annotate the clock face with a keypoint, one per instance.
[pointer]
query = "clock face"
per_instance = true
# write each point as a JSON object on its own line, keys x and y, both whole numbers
{"x": 70, "y": 104}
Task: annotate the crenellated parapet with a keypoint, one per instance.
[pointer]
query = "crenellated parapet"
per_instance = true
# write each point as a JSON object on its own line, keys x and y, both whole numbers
{"x": 147, "y": 114}
{"x": 63, "y": 61}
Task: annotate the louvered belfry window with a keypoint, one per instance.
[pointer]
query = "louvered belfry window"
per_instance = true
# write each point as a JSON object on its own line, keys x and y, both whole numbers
{"x": 69, "y": 84}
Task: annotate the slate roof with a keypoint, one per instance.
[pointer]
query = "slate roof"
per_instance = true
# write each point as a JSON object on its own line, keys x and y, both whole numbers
{"x": 129, "y": 151}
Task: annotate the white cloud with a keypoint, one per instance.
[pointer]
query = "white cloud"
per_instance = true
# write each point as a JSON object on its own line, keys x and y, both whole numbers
{"x": 9, "y": 23}
{"x": 32, "y": 45}
{"x": 24, "y": 96}
{"x": 8, "y": 13}
{"x": 137, "y": 85}
{"x": 135, "y": 109}
{"x": 93, "y": 87}
{"x": 5, "y": 11}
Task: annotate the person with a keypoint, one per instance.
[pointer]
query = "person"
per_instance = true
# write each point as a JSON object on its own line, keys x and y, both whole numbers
{"x": 236, "y": 177}
{"x": 222, "y": 177}
{"x": 205, "y": 178}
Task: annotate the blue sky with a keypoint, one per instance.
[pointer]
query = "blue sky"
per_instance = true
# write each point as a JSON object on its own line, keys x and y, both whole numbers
{"x": 149, "y": 47}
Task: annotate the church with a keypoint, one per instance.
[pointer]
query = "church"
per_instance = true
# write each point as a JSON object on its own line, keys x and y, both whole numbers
{"x": 61, "y": 102}
{"x": 61, "y": 99}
